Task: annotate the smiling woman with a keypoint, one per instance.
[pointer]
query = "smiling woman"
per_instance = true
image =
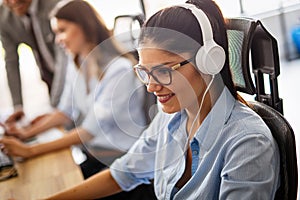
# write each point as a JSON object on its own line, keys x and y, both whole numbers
{"x": 206, "y": 143}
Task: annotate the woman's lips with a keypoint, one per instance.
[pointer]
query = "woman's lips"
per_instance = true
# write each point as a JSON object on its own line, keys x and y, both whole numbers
{"x": 164, "y": 98}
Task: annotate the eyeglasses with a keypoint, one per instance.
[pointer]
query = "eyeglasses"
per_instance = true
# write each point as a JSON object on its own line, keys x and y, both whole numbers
{"x": 162, "y": 74}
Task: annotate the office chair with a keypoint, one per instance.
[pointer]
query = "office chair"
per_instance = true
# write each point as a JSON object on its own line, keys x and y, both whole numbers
{"x": 248, "y": 37}
{"x": 126, "y": 30}
{"x": 284, "y": 135}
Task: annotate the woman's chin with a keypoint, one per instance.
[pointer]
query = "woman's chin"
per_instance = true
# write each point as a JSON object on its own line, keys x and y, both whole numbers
{"x": 169, "y": 110}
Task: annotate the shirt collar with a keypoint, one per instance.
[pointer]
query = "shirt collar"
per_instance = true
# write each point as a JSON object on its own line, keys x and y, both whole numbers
{"x": 176, "y": 121}
{"x": 212, "y": 124}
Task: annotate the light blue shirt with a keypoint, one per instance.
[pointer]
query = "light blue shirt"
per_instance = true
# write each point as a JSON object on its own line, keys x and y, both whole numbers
{"x": 233, "y": 151}
{"x": 113, "y": 110}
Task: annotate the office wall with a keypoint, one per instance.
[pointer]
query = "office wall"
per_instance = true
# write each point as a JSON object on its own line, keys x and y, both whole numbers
{"x": 280, "y": 23}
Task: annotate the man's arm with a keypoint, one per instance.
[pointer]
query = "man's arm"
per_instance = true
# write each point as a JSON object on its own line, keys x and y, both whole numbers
{"x": 12, "y": 67}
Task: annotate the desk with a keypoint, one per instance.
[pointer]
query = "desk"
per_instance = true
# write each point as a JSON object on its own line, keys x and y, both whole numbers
{"x": 42, "y": 176}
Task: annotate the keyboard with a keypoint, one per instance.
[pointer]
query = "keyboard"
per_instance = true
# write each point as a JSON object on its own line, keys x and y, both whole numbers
{"x": 7, "y": 169}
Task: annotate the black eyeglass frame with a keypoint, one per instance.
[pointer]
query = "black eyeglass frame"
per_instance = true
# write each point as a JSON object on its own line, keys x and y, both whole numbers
{"x": 169, "y": 69}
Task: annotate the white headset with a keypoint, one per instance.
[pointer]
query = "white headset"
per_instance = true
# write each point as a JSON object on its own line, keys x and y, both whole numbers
{"x": 210, "y": 58}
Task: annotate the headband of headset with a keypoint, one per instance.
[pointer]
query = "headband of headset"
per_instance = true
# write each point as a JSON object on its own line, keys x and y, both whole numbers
{"x": 210, "y": 57}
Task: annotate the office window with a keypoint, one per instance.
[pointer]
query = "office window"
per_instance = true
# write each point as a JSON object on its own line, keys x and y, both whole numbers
{"x": 154, "y": 5}
{"x": 286, "y": 3}
{"x": 251, "y": 7}
{"x": 232, "y": 9}
{"x": 109, "y": 9}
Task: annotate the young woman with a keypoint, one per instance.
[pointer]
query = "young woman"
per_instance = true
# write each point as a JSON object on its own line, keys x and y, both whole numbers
{"x": 101, "y": 88}
{"x": 206, "y": 144}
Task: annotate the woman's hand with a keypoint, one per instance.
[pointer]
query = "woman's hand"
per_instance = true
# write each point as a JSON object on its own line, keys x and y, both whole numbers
{"x": 16, "y": 131}
{"x": 14, "y": 147}
{"x": 20, "y": 127}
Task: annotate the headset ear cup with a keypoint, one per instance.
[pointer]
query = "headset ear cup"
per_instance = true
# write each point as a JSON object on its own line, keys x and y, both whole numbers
{"x": 210, "y": 58}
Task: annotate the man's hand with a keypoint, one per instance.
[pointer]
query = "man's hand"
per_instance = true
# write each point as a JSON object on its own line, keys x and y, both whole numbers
{"x": 17, "y": 125}
{"x": 16, "y": 116}
{"x": 35, "y": 120}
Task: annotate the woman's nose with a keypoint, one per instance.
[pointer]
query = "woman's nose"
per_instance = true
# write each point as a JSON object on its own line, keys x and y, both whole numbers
{"x": 153, "y": 86}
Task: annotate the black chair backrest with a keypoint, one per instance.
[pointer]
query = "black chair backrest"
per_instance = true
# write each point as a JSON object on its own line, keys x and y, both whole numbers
{"x": 248, "y": 37}
{"x": 284, "y": 136}
{"x": 126, "y": 30}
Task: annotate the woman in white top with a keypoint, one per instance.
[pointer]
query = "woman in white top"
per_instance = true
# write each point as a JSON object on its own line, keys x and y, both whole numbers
{"x": 101, "y": 86}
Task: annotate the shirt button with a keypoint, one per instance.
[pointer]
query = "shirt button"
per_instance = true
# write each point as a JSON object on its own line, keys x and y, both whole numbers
{"x": 195, "y": 152}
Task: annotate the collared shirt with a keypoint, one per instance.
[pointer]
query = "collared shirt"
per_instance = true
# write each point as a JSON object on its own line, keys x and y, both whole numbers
{"x": 113, "y": 109}
{"x": 235, "y": 156}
